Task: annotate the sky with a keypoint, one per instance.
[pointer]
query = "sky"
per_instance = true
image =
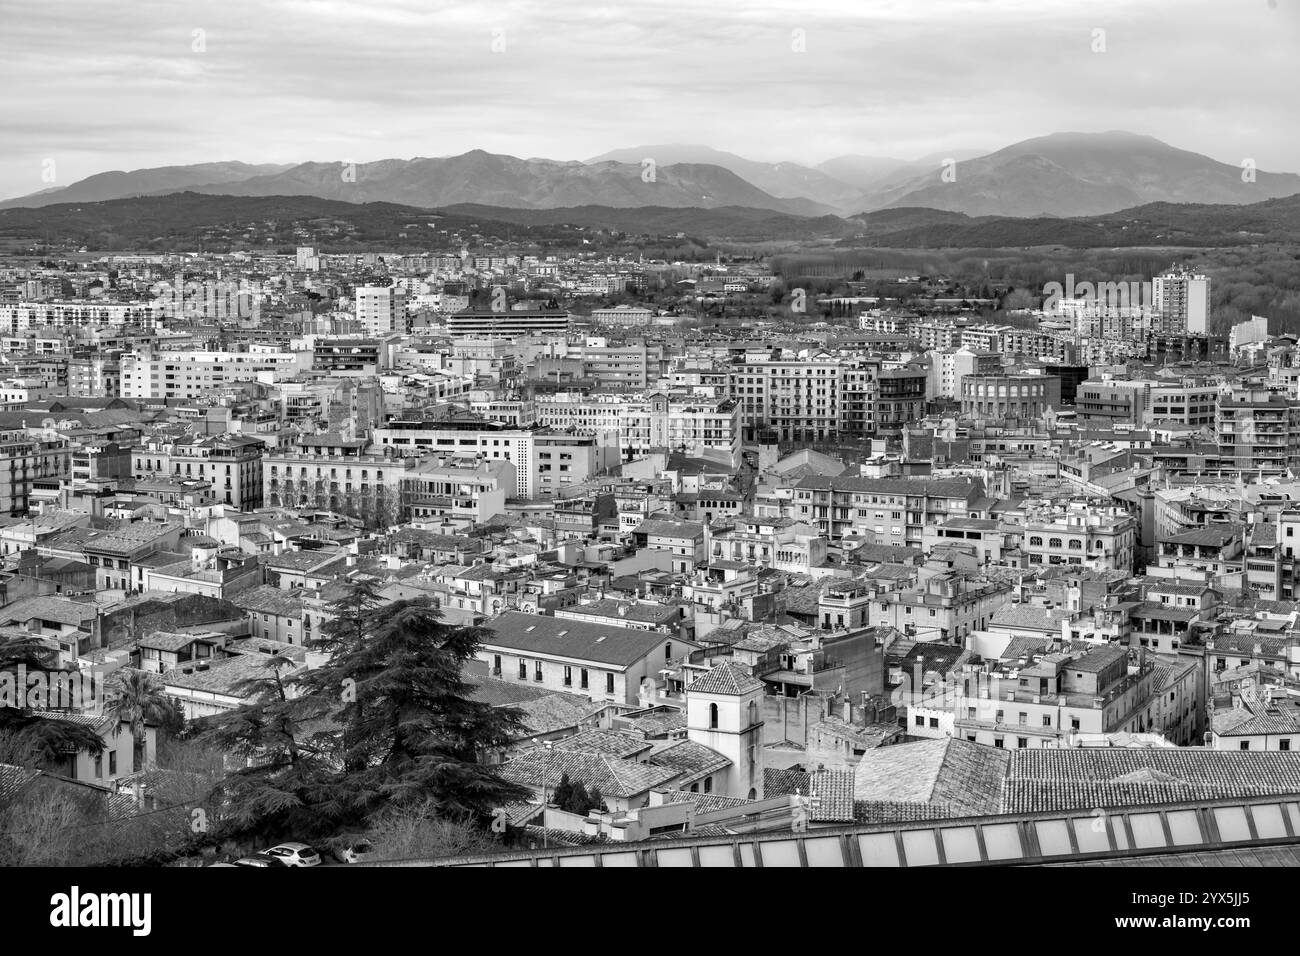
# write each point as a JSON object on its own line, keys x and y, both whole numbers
{"x": 88, "y": 86}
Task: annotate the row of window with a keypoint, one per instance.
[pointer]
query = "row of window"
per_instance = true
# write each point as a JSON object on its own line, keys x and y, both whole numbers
{"x": 539, "y": 674}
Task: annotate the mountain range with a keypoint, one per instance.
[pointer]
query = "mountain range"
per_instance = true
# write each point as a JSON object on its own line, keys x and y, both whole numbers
{"x": 1063, "y": 174}
{"x": 184, "y": 220}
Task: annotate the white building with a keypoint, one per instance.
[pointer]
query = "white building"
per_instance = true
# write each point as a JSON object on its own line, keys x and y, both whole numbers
{"x": 1182, "y": 300}
{"x": 381, "y": 309}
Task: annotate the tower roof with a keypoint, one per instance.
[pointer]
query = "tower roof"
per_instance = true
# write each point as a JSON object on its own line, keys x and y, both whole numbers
{"x": 726, "y": 679}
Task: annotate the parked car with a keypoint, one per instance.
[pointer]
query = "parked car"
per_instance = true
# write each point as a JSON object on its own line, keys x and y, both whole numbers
{"x": 210, "y": 865}
{"x": 265, "y": 861}
{"x": 356, "y": 852}
{"x": 293, "y": 854}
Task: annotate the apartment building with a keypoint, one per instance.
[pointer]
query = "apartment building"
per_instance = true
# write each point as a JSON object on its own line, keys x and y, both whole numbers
{"x": 892, "y": 511}
{"x": 1182, "y": 302}
{"x": 192, "y": 375}
{"x": 949, "y": 367}
{"x": 1097, "y": 538}
{"x": 943, "y": 608}
{"x": 25, "y": 317}
{"x": 1258, "y": 431}
{"x": 798, "y": 398}
{"x": 26, "y": 458}
{"x": 544, "y": 459}
{"x": 780, "y": 543}
{"x": 507, "y": 324}
{"x": 1046, "y": 699}
{"x": 337, "y": 477}
{"x": 644, "y": 423}
{"x": 233, "y": 463}
{"x": 466, "y": 489}
{"x": 381, "y": 310}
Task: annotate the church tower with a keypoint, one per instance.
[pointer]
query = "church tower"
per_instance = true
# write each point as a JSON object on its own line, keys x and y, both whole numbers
{"x": 724, "y": 711}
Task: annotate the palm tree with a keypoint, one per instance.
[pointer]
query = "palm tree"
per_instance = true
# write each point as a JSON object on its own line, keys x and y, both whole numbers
{"x": 137, "y": 698}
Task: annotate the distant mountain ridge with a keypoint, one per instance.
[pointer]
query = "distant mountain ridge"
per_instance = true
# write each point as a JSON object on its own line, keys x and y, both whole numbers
{"x": 1083, "y": 174}
{"x": 1062, "y": 175}
{"x": 190, "y": 218}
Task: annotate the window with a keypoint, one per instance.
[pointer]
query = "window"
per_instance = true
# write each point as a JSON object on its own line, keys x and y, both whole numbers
{"x": 1074, "y": 723}
{"x": 523, "y": 669}
{"x": 609, "y": 683}
{"x": 998, "y": 719}
{"x": 1035, "y": 542}
{"x": 582, "y": 678}
{"x": 568, "y": 676}
{"x": 1022, "y": 742}
{"x": 997, "y": 741}
{"x": 1245, "y": 745}
{"x": 1054, "y": 543}
{"x": 1024, "y": 718}
{"x": 920, "y": 722}
{"x": 537, "y": 670}
{"x": 112, "y": 763}
{"x": 708, "y": 784}
{"x": 1047, "y": 720}
{"x": 99, "y": 766}
{"x": 713, "y": 717}
{"x": 934, "y": 722}
{"x": 1284, "y": 743}
{"x": 668, "y": 650}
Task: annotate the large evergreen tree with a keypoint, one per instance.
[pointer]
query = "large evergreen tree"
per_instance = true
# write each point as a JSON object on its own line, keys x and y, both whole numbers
{"x": 388, "y": 721}
{"x": 412, "y": 733}
{"x": 282, "y": 789}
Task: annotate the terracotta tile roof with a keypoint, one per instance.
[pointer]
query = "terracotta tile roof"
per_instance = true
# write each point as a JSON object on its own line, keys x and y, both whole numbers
{"x": 967, "y": 776}
{"x": 13, "y": 779}
{"x": 1242, "y": 723}
{"x": 830, "y": 790}
{"x": 726, "y": 679}
{"x": 690, "y": 760}
{"x": 609, "y": 743}
{"x": 572, "y": 640}
{"x": 613, "y": 776}
{"x": 556, "y": 712}
{"x": 1067, "y": 779}
{"x": 704, "y": 802}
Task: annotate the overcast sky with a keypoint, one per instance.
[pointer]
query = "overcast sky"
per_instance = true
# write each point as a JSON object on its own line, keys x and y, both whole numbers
{"x": 95, "y": 86}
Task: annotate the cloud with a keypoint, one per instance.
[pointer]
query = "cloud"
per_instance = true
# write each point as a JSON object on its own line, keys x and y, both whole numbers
{"x": 102, "y": 86}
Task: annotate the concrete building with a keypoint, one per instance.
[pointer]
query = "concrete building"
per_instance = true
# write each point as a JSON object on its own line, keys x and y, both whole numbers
{"x": 1182, "y": 302}
{"x": 381, "y": 310}
{"x": 1009, "y": 396}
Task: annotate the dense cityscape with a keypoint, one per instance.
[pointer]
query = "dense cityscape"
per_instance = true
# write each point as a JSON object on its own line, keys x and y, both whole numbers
{"x": 664, "y": 508}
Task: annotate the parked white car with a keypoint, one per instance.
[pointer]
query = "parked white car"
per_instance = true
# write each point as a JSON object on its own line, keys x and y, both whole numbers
{"x": 357, "y": 852}
{"x": 293, "y": 854}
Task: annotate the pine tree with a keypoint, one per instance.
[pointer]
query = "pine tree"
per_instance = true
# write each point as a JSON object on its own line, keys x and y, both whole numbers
{"x": 578, "y": 801}
{"x": 562, "y": 793}
{"x": 411, "y": 732}
{"x": 280, "y": 791}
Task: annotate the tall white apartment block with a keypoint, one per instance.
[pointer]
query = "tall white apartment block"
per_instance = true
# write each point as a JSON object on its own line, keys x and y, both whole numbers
{"x": 381, "y": 309}
{"x": 1182, "y": 301}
